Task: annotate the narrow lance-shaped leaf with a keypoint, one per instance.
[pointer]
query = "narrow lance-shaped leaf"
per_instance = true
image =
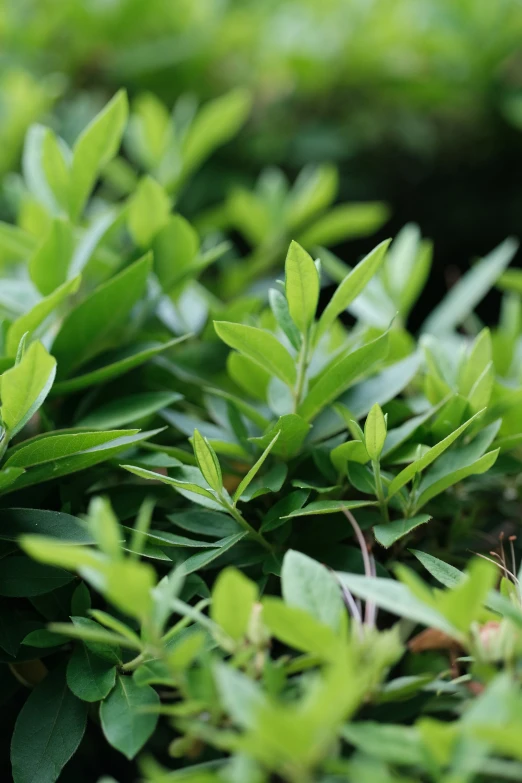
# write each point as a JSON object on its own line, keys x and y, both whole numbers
{"x": 302, "y": 286}
{"x": 375, "y": 432}
{"x": 260, "y": 346}
{"x": 254, "y": 469}
{"x": 409, "y": 472}
{"x": 338, "y": 378}
{"x": 24, "y": 387}
{"x": 352, "y": 285}
{"x": 208, "y": 462}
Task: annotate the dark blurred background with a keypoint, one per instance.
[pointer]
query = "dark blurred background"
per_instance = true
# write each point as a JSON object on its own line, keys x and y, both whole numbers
{"x": 418, "y": 102}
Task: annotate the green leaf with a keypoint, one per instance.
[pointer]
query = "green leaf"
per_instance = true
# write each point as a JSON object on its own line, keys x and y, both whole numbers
{"x": 148, "y": 211}
{"x": 125, "y": 723}
{"x": 25, "y": 386}
{"x": 45, "y": 166}
{"x": 352, "y": 285}
{"x": 48, "y": 731}
{"x": 293, "y": 430}
{"x": 93, "y": 325}
{"x": 37, "y": 315}
{"x": 217, "y": 122}
{"x": 464, "y": 296}
{"x": 254, "y": 470}
{"x": 398, "y": 599}
{"x": 49, "y": 448}
{"x": 351, "y": 451}
{"x": 203, "y": 522}
{"x": 327, "y": 507}
{"x": 15, "y": 242}
{"x": 202, "y": 559}
{"x": 381, "y": 387}
{"x": 94, "y": 148}
{"x": 89, "y": 677}
{"x": 391, "y": 532}
{"x": 128, "y": 584}
{"x": 261, "y": 347}
{"x": 375, "y": 432}
{"x": 337, "y": 378}
{"x": 124, "y": 361}
{"x": 49, "y": 471}
{"x": 310, "y": 586}
{"x": 276, "y": 517}
{"x": 438, "y": 485}
{"x": 343, "y": 222}
{"x": 443, "y": 572}
{"x": 17, "y": 522}
{"x": 176, "y": 249}
{"x": 299, "y": 629}
{"x": 233, "y": 598}
{"x": 128, "y": 409}
{"x": 20, "y": 577}
{"x": 175, "y": 483}
{"x": 415, "y": 467}
{"x": 208, "y": 462}
{"x": 279, "y": 307}
{"x": 49, "y": 263}
{"x": 301, "y": 286}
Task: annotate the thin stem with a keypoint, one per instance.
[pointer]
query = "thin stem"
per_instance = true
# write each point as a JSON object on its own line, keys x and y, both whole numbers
{"x": 130, "y": 666}
{"x": 301, "y": 372}
{"x": 379, "y": 490}
{"x": 240, "y": 519}
{"x": 369, "y": 613}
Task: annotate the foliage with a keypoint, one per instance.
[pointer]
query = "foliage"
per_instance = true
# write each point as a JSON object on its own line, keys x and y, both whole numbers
{"x": 226, "y": 479}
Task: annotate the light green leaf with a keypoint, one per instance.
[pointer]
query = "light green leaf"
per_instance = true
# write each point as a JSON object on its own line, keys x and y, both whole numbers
{"x": 128, "y": 409}
{"x": 351, "y": 451}
{"x": 279, "y": 307}
{"x": 465, "y": 295}
{"x": 37, "y": 315}
{"x": 301, "y": 286}
{"x": 49, "y": 448}
{"x": 391, "y": 532}
{"x": 375, "y": 432}
{"x": 176, "y": 251}
{"x": 337, "y": 378}
{"x": 25, "y": 386}
{"x": 343, "y": 222}
{"x": 415, "y": 467}
{"x": 123, "y": 361}
{"x": 233, "y": 598}
{"x": 438, "y": 485}
{"x": 299, "y": 629}
{"x": 49, "y": 263}
{"x": 327, "y": 507}
{"x": 148, "y": 211}
{"x": 125, "y": 721}
{"x": 310, "y": 586}
{"x": 202, "y": 559}
{"x": 259, "y": 346}
{"x": 293, "y": 430}
{"x": 48, "y": 731}
{"x": 352, "y": 285}
{"x": 254, "y": 470}
{"x": 398, "y": 599}
{"x": 175, "y": 483}
{"x": 208, "y": 462}
{"x": 93, "y": 326}
{"x": 15, "y": 242}
{"x": 94, "y": 148}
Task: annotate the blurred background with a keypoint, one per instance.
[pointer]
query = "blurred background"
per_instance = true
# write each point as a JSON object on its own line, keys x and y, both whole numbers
{"x": 418, "y": 103}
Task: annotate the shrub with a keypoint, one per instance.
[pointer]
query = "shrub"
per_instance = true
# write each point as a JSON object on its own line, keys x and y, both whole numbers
{"x": 228, "y": 482}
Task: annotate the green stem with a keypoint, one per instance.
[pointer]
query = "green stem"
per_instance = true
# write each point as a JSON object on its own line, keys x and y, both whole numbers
{"x": 130, "y": 666}
{"x": 240, "y": 519}
{"x": 379, "y": 490}
{"x": 301, "y": 372}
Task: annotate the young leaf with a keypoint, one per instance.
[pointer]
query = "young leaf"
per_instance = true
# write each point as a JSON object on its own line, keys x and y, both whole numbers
{"x": 208, "y": 462}
{"x": 233, "y": 598}
{"x": 279, "y": 307}
{"x": 391, "y": 532}
{"x": 415, "y": 467}
{"x": 293, "y": 430}
{"x": 259, "y": 346}
{"x": 254, "y": 469}
{"x": 94, "y": 148}
{"x": 352, "y": 285}
{"x": 125, "y": 722}
{"x": 148, "y": 212}
{"x": 37, "y": 315}
{"x": 48, "y": 731}
{"x": 302, "y": 286}
{"x": 24, "y": 387}
{"x": 375, "y": 432}
{"x": 92, "y": 326}
{"x": 337, "y": 378}
{"x": 50, "y": 262}
{"x": 310, "y": 586}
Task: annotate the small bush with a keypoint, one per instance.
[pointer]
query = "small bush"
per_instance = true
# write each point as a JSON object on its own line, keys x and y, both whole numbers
{"x": 221, "y": 489}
